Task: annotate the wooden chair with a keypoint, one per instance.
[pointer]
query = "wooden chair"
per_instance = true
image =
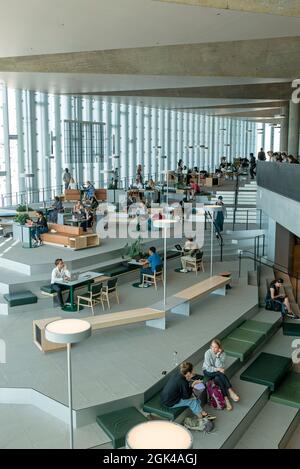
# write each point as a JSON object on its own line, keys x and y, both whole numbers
{"x": 196, "y": 263}
{"x": 110, "y": 288}
{"x": 152, "y": 278}
{"x": 91, "y": 298}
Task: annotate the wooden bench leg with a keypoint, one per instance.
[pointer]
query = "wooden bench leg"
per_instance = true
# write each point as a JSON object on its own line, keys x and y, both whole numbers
{"x": 157, "y": 323}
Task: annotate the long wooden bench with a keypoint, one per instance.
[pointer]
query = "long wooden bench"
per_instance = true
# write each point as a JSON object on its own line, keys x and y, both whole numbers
{"x": 70, "y": 236}
{"x": 153, "y": 318}
{"x": 75, "y": 195}
{"x": 180, "y": 302}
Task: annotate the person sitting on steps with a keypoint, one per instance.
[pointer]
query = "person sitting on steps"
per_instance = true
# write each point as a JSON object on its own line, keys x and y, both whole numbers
{"x": 178, "y": 391}
{"x": 275, "y": 301}
{"x": 213, "y": 368}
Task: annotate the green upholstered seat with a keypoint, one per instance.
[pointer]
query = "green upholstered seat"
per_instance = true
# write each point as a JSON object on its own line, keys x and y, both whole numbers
{"x": 118, "y": 423}
{"x": 48, "y": 289}
{"x": 292, "y": 329}
{"x": 113, "y": 271}
{"x": 258, "y": 326}
{"x": 238, "y": 348}
{"x": 268, "y": 370}
{"x": 247, "y": 336}
{"x": 288, "y": 393}
{"x": 154, "y": 406}
{"x": 20, "y": 298}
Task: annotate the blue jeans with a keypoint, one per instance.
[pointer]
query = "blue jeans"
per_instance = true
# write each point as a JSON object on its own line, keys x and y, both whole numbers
{"x": 38, "y": 231}
{"x": 193, "y": 404}
{"x": 145, "y": 270}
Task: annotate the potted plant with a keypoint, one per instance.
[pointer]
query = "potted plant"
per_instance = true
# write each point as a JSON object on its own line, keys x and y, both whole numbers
{"x": 19, "y": 222}
{"x": 133, "y": 251}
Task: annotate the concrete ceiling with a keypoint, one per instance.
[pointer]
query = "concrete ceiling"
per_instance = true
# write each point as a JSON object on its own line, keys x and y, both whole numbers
{"x": 274, "y": 7}
{"x": 153, "y": 53}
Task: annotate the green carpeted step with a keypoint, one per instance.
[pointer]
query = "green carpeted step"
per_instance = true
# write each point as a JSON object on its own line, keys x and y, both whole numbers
{"x": 288, "y": 393}
{"x": 268, "y": 370}
{"x": 20, "y": 298}
{"x": 258, "y": 326}
{"x": 154, "y": 406}
{"x": 48, "y": 289}
{"x": 291, "y": 329}
{"x": 245, "y": 335}
{"x": 238, "y": 348}
{"x": 118, "y": 423}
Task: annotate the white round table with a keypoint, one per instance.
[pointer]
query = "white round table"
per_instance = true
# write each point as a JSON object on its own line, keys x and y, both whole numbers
{"x": 159, "y": 434}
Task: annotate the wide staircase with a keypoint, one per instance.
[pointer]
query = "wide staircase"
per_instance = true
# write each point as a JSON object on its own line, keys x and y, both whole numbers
{"x": 245, "y": 213}
{"x": 261, "y": 369}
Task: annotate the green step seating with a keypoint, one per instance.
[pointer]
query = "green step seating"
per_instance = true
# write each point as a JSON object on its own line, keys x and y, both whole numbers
{"x": 268, "y": 369}
{"x": 238, "y": 348}
{"x": 117, "y": 424}
{"x": 20, "y": 298}
{"x": 49, "y": 290}
{"x": 288, "y": 393}
{"x": 154, "y": 406}
{"x": 258, "y": 326}
{"x": 244, "y": 335}
{"x": 291, "y": 329}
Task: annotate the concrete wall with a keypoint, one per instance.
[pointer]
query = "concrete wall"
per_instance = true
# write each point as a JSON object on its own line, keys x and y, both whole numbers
{"x": 281, "y": 209}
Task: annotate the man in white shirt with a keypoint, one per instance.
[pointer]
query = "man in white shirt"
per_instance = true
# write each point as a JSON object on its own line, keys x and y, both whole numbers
{"x": 190, "y": 249}
{"x": 60, "y": 272}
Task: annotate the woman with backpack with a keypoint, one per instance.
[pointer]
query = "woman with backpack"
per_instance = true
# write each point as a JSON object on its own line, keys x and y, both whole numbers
{"x": 214, "y": 369}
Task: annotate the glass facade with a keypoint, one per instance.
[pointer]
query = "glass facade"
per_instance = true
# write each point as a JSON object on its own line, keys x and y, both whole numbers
{"x": 41, "y": 134}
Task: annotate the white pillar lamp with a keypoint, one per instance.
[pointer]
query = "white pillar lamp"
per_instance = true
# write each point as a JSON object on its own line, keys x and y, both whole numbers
{"x": 68, "y": 331}
{"x": 165, "y": 224}
{"x": 159, "y": 434}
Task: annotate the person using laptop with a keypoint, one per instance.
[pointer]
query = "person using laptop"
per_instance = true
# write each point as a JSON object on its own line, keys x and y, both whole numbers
{"x": 149, "y": 265}
{"x": 191, "y": 248}
{"x": 59, "y": 273}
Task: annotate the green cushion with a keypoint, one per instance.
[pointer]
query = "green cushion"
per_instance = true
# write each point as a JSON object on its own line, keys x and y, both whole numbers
{"x": 292, "y": 329}
{"x": 118, "y": 423}
{"x": 113, "y": 270}
{"x": 154, "y": 406}
{"x": 267, "y": 369}
{"x": 20, "y": 298}
{"x": 288, "y": 393}
{"x": 49, "y": 289}
{"x": 238, "y": 348}
{"x": 258, "y": 326}
{"x": 247, "y": 336}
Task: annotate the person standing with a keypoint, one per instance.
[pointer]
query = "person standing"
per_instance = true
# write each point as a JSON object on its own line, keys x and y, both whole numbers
{"x": 252, "y": 165}
{"x": 220, "y": 215}
{"x": 213, "y": 368}
{"x": 261, "y": 155}
{"x": 67, "y": 178}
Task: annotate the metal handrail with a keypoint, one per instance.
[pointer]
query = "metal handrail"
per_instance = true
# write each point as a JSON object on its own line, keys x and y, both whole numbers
{"x": 272, "y": 265}
{"x": 220, "y": 237}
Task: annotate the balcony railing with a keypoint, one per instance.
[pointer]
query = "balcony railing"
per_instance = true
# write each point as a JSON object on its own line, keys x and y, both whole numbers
{"x": 282, "y": 178}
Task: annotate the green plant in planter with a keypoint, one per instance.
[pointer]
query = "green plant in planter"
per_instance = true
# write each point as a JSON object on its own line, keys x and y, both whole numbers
{"x": 23, "y": 208}
{"x": 134, "y": 250}
{"x": 21, "y": 218}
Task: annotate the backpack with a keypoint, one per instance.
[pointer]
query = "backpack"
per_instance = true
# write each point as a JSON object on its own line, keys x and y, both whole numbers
{"x": 215, "y": 396}
{"x": 202, "y": 425}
